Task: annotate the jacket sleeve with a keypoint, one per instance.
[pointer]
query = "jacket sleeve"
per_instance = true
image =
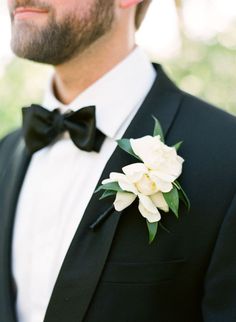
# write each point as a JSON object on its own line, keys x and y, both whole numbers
{"x": 219, "y": 300}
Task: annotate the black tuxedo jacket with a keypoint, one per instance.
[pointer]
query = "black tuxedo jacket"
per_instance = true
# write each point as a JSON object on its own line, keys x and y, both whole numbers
{"x": 111, "y": 273}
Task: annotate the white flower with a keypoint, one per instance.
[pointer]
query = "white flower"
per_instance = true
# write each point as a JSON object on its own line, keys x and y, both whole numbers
{"x": 137, "y": 182}
{"x": 148, "y": 209}
{"x": 157, "y": 156}
{"x": 148, "y": 181}
{"x": 159, "y": 201}
{"x": 151, "y": 181}
{"x": 139, "y": 175}
{"x": 123, "y": 200}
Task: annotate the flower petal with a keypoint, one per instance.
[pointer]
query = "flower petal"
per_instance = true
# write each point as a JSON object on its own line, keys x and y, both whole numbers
{"x": 147, "y": 203}
{"x": 143, "y": 147}
{"x": 114, "y": 177}
{"x": 162, "y": 185}
{"x": 172, "y": 165}
{"x": 123, "y": 200}
{"x": 135, "y": 171}
{"x": 127, "y": 185}
{"x": 148, "y": 209}
{"x": 150, "y": 216}
{"x": 146, "y": 186}
{"x": 162, "y": 175}
{"x": 124, "y": 183}
{"x": 105, "y": 181}
{"x": 159, "y": 201}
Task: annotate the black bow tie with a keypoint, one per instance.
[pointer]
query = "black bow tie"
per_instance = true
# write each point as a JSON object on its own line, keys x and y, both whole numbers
{"x": 41, "y": 127}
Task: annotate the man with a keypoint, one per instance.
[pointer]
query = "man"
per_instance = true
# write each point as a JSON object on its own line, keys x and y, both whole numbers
{"x": 67, "y": 256}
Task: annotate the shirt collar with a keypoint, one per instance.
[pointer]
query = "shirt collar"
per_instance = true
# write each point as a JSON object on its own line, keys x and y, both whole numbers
{"x": 115, "y": 95}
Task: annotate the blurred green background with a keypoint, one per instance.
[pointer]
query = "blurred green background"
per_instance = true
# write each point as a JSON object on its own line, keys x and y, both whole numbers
{"x": 206, "y": 68}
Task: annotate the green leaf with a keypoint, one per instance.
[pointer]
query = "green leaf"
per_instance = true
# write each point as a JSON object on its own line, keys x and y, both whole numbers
{"x": 176, "y": 183}
{"x": 172, "y": 199}
{"x": 152, "y": 230}
{"x": 114, "y": 186}
{"x": 158, "y": 129}
{"x": 178, "y": 145}
{"x": 107, "y": 193}
{"x": 183, "y": 196}
{"x": 185, "y": 199}
{"x": 125, "y": 145}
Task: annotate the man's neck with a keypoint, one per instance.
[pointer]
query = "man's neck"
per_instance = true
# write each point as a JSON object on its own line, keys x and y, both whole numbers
{"x": 73, "y": 77}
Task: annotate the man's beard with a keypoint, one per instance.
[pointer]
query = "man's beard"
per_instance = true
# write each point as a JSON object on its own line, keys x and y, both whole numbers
{"x": 59, "y": 42}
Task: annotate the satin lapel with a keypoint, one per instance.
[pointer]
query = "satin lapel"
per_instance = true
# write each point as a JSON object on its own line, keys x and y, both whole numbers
{"x": 11, "y": 178}
{"x": 89, "y": 249}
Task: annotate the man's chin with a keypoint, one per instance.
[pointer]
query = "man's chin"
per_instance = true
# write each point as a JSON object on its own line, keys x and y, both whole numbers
{"x": 26, "y": 41}
{"x": 26, "y": 51}
{"x": 34, "y": 52}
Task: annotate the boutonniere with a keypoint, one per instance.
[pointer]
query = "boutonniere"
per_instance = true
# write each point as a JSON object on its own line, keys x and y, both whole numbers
{"x": 152, "y": 179}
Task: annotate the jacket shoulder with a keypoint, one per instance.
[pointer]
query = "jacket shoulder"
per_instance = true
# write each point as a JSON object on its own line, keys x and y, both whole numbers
{"x": 207, "y": 125}
{"x": 207, "y": 114}
{"x": 209, "y": 135}
{"x": 8, "y": 145}
{"x": 11, "y": 137}
{"x": 195, "y": 114}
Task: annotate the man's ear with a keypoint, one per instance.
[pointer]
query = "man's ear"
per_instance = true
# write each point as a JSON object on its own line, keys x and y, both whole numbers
{"x": 128, "y": 3}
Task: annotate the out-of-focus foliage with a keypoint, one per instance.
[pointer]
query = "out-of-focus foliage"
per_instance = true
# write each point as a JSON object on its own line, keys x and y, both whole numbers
{"x": 205, "y": 70}
{"x": 21, "y": 84}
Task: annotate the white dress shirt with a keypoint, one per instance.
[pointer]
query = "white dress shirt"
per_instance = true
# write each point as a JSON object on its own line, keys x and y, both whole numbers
{"x": 61, "y": 180}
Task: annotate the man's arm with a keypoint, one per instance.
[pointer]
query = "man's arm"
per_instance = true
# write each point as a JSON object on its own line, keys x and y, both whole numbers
{"x": 219, "y": 301}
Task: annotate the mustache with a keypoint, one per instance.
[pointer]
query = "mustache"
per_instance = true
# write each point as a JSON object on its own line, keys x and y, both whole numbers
{"x": 28, "y": 3}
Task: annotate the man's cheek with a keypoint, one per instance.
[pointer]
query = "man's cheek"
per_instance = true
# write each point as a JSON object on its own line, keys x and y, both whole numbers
{"x": 81, "y": 7}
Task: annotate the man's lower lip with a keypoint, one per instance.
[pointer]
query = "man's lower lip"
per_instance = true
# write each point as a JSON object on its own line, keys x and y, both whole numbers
{"x": 28, "y": 14}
